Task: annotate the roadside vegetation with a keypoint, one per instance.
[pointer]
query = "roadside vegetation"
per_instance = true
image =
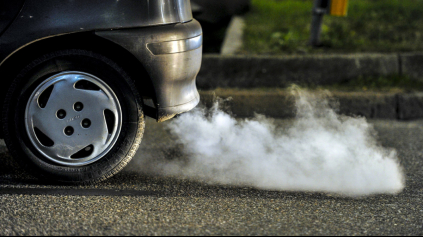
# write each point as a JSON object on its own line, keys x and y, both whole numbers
{"x": 283, "y": 27}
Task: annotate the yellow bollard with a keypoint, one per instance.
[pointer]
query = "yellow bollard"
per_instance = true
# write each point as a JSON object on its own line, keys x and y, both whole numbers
{"x": 338, "y": 7}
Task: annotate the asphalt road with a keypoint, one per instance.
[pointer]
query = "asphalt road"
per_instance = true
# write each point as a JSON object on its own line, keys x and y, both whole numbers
{"x": 139, "y": 204}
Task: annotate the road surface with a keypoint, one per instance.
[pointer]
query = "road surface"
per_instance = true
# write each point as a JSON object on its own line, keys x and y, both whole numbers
{"x": 138, "y": 204}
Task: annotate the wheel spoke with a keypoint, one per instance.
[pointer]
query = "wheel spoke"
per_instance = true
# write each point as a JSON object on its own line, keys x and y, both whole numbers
{"x": 73, "y": 118}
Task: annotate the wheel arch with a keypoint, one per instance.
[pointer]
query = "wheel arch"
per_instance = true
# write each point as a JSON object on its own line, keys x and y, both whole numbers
{"x": 15, "y": 62}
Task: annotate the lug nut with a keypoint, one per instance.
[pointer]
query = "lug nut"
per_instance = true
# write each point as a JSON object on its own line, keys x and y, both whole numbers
{"x": 61, "y": 114}
{"x": 86, "y": 123}
{"x": 69, "y": 130}
{"x": 78, "y": 106}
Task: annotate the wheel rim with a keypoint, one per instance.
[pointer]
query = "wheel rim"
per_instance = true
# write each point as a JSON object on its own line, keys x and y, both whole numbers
{"x": 73, "y": 118}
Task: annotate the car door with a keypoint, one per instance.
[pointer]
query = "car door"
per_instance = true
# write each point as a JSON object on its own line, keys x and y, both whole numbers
{"x": 8, "y": 11}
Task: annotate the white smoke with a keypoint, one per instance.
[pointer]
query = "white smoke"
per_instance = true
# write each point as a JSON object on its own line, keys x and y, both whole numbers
{"x": 320, "y": 151}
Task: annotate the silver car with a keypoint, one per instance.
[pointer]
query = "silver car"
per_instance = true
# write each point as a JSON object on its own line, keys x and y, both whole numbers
{"x": 78, "y": 77}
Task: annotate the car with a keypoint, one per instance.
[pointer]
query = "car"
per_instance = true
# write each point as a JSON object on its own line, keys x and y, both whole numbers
{"x": 78, "y": 77}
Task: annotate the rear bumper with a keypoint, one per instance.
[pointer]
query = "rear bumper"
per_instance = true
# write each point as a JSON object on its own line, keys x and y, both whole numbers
{"x": 171, "y": 55}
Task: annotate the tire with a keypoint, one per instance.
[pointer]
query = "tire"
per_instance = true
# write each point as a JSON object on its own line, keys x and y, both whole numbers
{"x": 91, "y": 124}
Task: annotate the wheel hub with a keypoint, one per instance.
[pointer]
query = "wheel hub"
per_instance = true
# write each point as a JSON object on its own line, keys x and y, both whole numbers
{"x": 73, "y": 118}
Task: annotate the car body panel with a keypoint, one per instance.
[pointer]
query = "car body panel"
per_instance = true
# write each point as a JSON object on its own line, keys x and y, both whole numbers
{"x": 172, "y": 62}
{"x": 173, "y": 72}
{"x": 47, "y": 18}
{"x": 8, "y": 11}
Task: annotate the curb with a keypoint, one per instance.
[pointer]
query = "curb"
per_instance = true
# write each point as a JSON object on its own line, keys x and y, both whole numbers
{"x": 279, "y": 103}
{"x": 233, "y": 37}
{"x": 280, "y": 71}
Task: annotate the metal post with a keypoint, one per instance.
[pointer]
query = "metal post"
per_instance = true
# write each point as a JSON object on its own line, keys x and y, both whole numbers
{"x": 319, "y": 10}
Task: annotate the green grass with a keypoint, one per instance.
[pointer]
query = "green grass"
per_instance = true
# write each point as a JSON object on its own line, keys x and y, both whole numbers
{"x": 283, "y": 27}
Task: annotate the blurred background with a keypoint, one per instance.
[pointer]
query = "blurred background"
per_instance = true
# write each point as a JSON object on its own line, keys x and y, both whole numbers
{"x": 215, "y": 16}
{"x": 283, "y": 26}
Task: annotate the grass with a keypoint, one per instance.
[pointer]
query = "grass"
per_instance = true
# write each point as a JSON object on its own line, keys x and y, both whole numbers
{"x": 283, "y": 27}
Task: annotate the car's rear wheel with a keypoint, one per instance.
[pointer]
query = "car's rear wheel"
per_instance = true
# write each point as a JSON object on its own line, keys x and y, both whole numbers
{"x": 73, "y": 116}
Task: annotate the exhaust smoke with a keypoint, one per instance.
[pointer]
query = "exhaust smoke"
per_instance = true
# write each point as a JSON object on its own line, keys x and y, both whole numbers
{"x": 318, "y": 151}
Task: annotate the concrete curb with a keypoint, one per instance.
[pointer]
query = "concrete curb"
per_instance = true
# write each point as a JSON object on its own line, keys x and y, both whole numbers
{"x": 233, "y": 37}
{"x": 279, "y": 71}
{"x": 281, "y": 103}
